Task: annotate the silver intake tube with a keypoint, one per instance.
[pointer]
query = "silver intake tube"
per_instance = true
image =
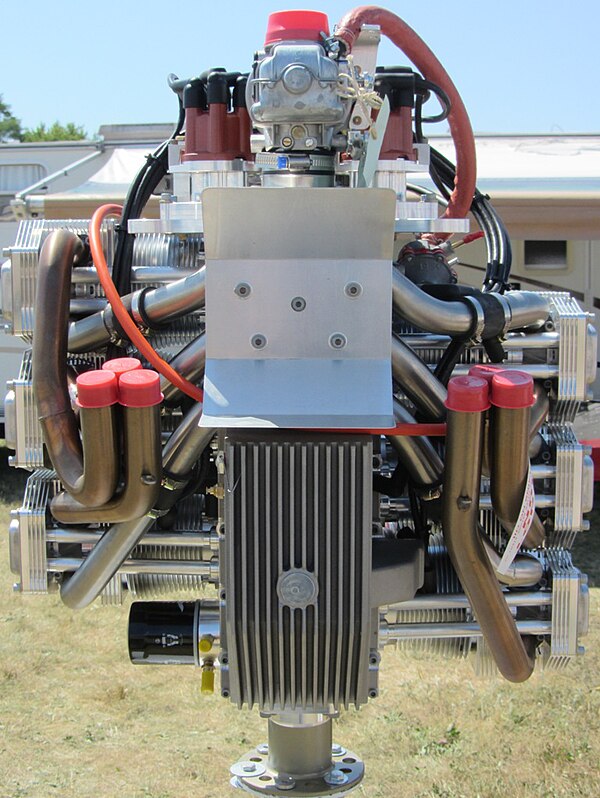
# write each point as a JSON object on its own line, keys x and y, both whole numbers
{"x": 416, "y": 453}
{"x": 417, "y": 381}
{"x": 160, "y": 304}
{"x": 427, "y": 312}
{"x": 525, "y": 309}
{"x": 190, "y": 363}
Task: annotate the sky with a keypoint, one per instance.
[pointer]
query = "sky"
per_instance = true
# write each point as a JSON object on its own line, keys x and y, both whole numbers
{"x": 523, "y": 66}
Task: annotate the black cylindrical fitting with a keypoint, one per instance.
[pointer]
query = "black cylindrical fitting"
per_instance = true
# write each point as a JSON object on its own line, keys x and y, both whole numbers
{"x": 194, "y": 95}
{"x": 239, "y": 92}
{"x": 162, "y": 633}
{"x": 217, "y": 88}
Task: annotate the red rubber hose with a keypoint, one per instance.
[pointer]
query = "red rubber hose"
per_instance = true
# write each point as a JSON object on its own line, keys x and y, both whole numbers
{"x": 121, "y": 312}
{"x": 411, "y": 44}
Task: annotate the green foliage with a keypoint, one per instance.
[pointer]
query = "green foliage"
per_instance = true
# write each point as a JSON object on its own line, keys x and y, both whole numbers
{"x": 10, "y": 126}
{"x": 56, "y": 132}
{"x": 12, "y": 130}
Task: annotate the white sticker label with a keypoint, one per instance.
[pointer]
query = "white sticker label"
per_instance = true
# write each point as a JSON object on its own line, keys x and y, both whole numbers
{"x": 521, "y": 529}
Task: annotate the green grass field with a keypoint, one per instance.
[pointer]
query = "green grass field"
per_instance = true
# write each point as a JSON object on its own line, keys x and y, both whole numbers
{"x": 78, "y": 721}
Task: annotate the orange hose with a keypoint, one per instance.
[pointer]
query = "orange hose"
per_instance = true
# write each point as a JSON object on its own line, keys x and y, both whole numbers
{"x": 121, "y": 312}
{"x": 407, "y": 40}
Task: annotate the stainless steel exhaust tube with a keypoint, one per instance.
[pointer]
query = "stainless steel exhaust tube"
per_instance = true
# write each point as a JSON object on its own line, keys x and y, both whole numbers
{"x": 467, "y": 401}
{"x": 159, "y": 305}
{"x": 512, "y": 396}
{"x": 142, "y": 474}
{"x": 180, "y": 453}
{"x": 90, "y": 473}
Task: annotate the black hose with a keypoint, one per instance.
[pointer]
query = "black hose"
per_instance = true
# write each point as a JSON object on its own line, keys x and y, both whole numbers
{"x": 499, "y": 250}
{"x": 452, "y": 355}
{"x": 139, "y": 193}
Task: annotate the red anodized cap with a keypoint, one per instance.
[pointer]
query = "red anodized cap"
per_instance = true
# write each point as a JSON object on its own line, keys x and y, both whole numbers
{"x": 468, "y": 395}
{"x": 119, "y": 365}
{"x": 140, "y": 388}
{"x": 512, "y": 389}
{"x": 485, "y": 371}
{"x": 285, "y": 26}
{"x": 97, "y": 389}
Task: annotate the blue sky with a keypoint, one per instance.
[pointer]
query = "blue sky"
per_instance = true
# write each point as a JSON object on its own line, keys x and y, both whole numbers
{"x": 527, "y": 66}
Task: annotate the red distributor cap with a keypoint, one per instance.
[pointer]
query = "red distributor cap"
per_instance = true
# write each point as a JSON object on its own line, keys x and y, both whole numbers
{"x": 119, "y": 365}
{"x": 512, "y": 390}
{"x": 140, "y": 388}
{"x": 468, "y": 395}
{"x": 97, "y": 389}
{"x": 285, "y": 26}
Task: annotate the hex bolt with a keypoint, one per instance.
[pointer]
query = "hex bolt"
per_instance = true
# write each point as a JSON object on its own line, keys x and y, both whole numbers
{"x": 353, "y": 290}
{"x": 285, "y": 783}
{"x": 337, "y": 749}
{"x": 263, "y": 749}
{"x": 310, "y": 143}
{"x": 258, "y": 341}
{"x": 243, "y": 290}
{"x": 335, "y": 777}
{"x": 337, "y": 340}
{"x": 464, "y": 502}
{"x": 249, "y": 767}
{"x": 298, "y": 303}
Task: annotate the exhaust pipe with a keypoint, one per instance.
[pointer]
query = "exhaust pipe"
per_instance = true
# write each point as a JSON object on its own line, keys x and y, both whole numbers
{"x": 140, "y": 397}
{"x": 180, "y": 453}
{"x": 512, "y": 397}
{"x": 89, "y": 473}
{"x": 468, "y": 399}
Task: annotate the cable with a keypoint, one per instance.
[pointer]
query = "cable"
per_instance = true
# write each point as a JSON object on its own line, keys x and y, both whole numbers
{"x": 452, "y": 355}
{"x": 404, "y": 37}
{"x": 120, "y": 311}
{"x": 140, "y": 191}
{"x": 499, "y": 252}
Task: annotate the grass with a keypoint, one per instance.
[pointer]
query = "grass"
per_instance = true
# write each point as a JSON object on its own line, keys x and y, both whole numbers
{"x": 78, "y": 721}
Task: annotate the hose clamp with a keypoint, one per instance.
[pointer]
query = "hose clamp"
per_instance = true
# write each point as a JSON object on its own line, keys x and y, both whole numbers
{"x": 478, "y": 326}
{"x": 503, "y": 301}
{"x": 136, "y": 311}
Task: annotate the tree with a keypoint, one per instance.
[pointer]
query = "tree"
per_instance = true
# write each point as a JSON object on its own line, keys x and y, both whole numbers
{"x": 10, "y": 126}
{"x": 56, "y": 132}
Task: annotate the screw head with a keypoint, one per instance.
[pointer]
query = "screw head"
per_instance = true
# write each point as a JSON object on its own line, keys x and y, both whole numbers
{"x": 353, "y": 290}
{"x": 258, "y": 341}
{"x": 337, "y": 340}
{"x": 298, "y": 303}
{"x": 287, "y": 141}
{"x": 310, "y": 143}
{"x": 243, "y": 290}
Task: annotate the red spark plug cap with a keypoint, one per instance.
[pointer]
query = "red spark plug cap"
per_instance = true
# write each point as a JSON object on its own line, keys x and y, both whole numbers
{"x": 468, "y": 395}
{"x": 485, "y": 371}
{"x": 512, "y": 389}
{"x": 120, "y": 365}
{"x": 97, "y": 389}
{"x": 139, "y": 388}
